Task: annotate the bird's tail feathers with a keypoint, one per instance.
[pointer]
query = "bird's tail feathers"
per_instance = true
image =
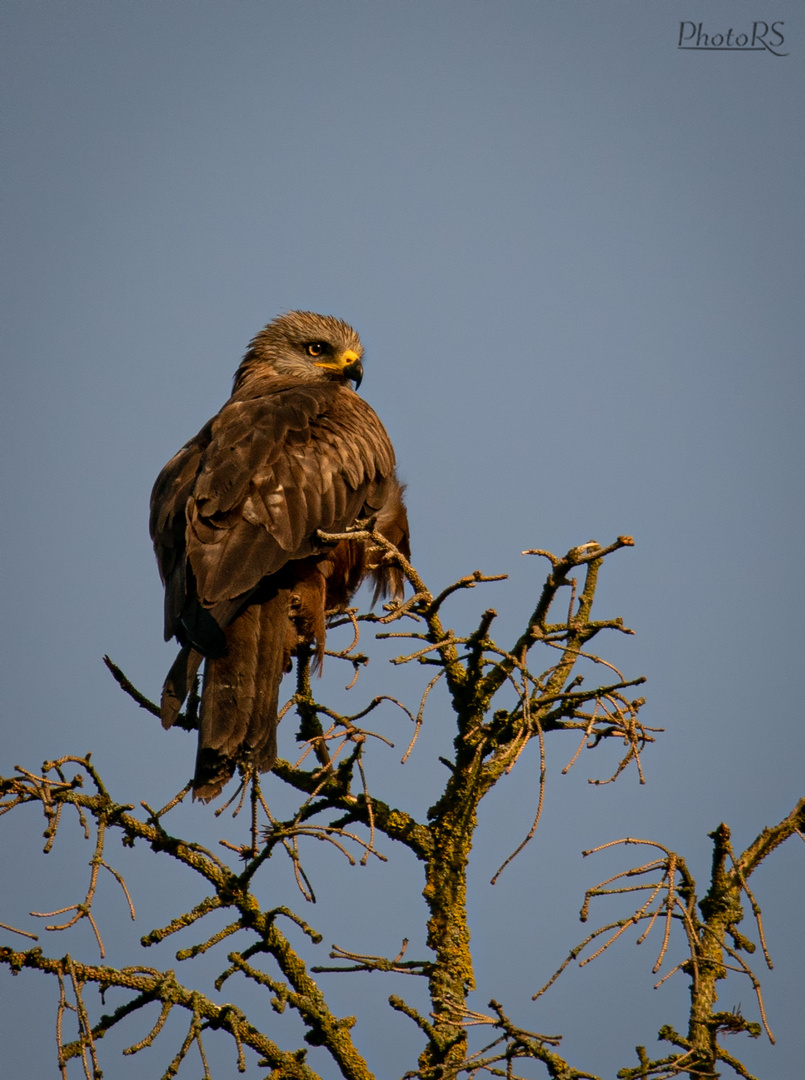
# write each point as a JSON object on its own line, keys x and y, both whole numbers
{"x": 238, "y": 721}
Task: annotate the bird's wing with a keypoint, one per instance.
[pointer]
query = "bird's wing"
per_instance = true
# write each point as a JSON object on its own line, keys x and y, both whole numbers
{"x": 168, "y": 523}
{"x": 275, "y": 469}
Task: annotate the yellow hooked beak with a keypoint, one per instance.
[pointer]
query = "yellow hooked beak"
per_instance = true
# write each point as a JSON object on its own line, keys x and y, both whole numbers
{"x": 347, "y": 363}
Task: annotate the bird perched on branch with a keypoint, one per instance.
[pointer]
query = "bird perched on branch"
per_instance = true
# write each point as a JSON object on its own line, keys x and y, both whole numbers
{"x": 234, "y": 520}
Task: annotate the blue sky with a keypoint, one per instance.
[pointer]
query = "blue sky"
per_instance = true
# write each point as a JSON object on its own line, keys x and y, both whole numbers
{"x": 574, "y": 255}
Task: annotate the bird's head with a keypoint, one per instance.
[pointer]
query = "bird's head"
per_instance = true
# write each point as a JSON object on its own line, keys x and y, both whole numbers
{"x": 306, "y": 347}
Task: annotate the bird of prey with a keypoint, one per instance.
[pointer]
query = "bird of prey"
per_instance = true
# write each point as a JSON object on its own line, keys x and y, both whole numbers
{"x": 234, "y": 520}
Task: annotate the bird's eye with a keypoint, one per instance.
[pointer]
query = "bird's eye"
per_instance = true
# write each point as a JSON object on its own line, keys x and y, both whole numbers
{"x": 316, "y": 348}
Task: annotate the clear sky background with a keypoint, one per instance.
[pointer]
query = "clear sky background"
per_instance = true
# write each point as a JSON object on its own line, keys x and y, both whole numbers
{"x": 574, "y": 255}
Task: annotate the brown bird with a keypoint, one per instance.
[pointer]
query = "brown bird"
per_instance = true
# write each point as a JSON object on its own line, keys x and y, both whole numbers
{"x": 234, "y": 517}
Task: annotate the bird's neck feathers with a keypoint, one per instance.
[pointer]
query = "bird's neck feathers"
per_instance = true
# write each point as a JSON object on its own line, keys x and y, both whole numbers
{"x": 251, "y": 367}
{"x": 258, "y": 370}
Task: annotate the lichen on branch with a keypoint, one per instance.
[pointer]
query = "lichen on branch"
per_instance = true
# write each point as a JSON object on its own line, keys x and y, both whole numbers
{"x": 502, "y": 696}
